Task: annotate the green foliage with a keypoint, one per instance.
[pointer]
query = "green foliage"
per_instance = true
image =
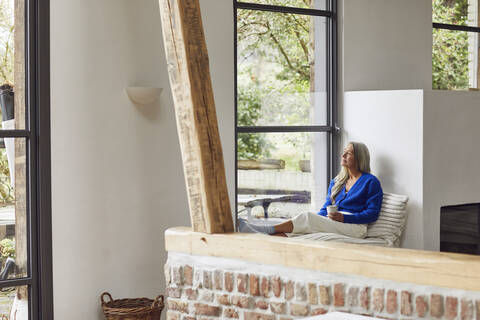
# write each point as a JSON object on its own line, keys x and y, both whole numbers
{"x": 450, "y": 65}
{"x": 6, "y": 76}
{"x": 290, "y": 3}
{"x": 7, "y": 248}
{"x": 274, "y": 71}
{"x": 6, "y": 41}
{"x": 279, "y": 38}
{"x": 250, "y": 145}
{"x": 6, "y": 190}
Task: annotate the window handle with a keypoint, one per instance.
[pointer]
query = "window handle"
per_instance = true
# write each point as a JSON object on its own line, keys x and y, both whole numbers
{"x": 336, "y": 129}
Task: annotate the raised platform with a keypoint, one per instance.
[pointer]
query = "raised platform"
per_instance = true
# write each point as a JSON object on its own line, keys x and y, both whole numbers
{"x": 439, "y": 269}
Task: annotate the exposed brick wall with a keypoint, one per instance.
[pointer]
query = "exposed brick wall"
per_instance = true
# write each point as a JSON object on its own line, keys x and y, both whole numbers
{"x": 196, "y": 291}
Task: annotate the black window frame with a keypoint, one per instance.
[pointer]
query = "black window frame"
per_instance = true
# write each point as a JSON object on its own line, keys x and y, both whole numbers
{"x": 455, "y": 27}
{"x": 38, "y": 161}
{"x": 331, "y": 127}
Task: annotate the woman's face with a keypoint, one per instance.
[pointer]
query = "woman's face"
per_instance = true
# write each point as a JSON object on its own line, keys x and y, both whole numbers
{"x": 348, "y": 157}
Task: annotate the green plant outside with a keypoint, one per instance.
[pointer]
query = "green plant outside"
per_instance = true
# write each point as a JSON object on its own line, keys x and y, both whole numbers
{"x": 6, "y": 77}
{"x": 7, "y": 248}
{"x": 450, "y": 64}
{"x": 280, "y": 70}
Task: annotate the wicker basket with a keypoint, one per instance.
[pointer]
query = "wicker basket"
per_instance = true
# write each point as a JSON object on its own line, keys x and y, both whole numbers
{"x": 132, "y": 309}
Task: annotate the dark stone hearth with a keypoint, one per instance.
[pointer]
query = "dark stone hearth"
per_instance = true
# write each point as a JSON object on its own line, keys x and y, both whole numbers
{"x": 460, "y": 229}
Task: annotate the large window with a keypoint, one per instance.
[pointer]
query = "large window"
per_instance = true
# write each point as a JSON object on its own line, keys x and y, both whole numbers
{"x": 25, "y": 218}
{"x": 456, "y": 44}
{"x": 285, "y": 105}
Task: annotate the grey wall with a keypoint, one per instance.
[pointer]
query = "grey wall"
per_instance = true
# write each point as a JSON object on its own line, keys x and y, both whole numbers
{"x": 451, "y": 155}
{"x": 387, "y": 44}
{"x": 117, "y": 179}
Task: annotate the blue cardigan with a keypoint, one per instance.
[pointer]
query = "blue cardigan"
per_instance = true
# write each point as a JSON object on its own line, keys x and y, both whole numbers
{"x": 363, "y": 200}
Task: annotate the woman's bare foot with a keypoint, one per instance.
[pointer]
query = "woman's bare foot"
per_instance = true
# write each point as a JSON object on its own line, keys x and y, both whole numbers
{"x": 279, "y": 234}
{"x": 286, "y": 227}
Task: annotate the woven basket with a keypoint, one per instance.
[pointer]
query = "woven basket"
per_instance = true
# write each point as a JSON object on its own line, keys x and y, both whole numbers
{"x": 132, "y": 309}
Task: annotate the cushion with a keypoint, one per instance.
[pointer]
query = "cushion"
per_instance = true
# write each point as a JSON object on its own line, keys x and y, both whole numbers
{"x": 324, "y": 236}
{"x": 391, "y": 221}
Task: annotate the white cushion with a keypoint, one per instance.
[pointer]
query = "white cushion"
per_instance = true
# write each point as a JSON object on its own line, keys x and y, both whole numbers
{"x": 391, "y": 221}
{"x": 324, "y": 236}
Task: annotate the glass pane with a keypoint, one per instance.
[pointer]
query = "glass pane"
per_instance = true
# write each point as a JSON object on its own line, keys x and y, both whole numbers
{"x": 12, "y": 65}
{"x": 287, "y": 167}
{"x": 459, "y": 12}
{"x": 455, "y": 56}
{"x": 13, "y": 240}
{"x": 282, "y": 69}
{"x": 312, "y": 4}
{"x": 14, "y": 303}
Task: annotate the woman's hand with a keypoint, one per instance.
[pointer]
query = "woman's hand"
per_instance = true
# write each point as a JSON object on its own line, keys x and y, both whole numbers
{"x": 337, "y": 216}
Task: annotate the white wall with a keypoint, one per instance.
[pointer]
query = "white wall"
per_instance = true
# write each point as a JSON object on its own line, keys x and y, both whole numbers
{"x": 387, "y": 44}
{"x": 390, "y": 124}
{"x": 117, "y": 180}
{"x": 451, "y": 155}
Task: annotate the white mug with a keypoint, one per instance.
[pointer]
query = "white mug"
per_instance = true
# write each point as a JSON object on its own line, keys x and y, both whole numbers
{"x": 332, "y": 208}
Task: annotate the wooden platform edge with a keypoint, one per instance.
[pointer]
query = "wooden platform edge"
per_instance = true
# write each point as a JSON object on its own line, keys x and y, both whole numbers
{"x": 439, "y": 269}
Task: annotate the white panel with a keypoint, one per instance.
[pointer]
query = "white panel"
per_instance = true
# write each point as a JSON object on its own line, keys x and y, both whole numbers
{"x": 390, "y": 123}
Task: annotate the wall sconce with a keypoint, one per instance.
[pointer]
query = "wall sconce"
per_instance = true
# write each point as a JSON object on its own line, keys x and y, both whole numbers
{"x": 143, "y": 95}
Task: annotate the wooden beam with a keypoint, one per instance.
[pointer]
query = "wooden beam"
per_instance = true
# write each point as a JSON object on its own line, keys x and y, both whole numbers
{"x": 188, "y": 69}
{"x": 440, "y": 269}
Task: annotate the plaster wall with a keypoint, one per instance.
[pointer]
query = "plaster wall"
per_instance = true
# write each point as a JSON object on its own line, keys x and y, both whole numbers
{"x": 117, "y": 180}
{"x": 451, "y": 156}
{"x": 387, "y": 44}
{"x": 390, "y": 124}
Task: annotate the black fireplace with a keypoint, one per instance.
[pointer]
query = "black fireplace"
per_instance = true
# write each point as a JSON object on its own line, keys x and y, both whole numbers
{"x": 460, "y": 228}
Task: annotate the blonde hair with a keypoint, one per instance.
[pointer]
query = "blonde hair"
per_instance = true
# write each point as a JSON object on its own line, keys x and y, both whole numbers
{"x": 362, "y": 157}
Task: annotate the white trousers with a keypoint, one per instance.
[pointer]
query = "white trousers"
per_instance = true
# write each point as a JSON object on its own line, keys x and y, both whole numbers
{"x": 308, "y": 222}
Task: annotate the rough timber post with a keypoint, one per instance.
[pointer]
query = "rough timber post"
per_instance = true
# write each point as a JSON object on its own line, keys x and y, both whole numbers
{"x": 188, "y": 69}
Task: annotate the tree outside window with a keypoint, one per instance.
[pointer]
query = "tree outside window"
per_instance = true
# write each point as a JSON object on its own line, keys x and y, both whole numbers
{"x": 455, "y": 50}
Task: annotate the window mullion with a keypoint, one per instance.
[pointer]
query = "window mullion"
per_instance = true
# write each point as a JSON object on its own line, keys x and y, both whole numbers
{"x": 455, "y": 27}
{"x": 253, "y": 129}
{"x": 15, "y": 134}
{"x": 284, "y": 9}
{"x": 15, "y": 282}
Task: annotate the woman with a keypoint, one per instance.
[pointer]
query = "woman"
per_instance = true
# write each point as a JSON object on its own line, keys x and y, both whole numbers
{"x": 355, "y": 191}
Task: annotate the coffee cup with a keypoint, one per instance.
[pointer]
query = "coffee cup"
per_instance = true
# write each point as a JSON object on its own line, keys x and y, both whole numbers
{"x": 332, "y": 208}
